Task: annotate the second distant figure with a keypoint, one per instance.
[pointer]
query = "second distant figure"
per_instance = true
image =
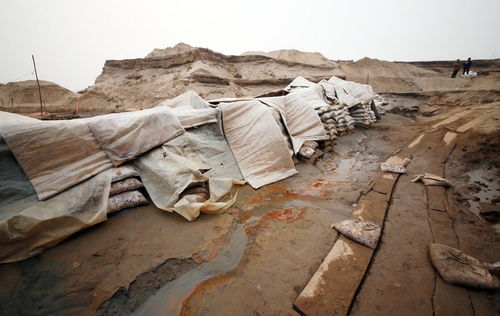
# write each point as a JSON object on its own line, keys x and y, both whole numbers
{"x": 467, "y": 66}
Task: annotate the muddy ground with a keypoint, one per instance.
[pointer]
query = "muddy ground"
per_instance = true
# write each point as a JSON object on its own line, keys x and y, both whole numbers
{"x": 256, "y": 258}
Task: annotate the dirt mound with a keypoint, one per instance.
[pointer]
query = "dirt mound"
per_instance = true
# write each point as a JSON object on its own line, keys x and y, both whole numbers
{"x": 145, "y": 82}
{"x": 169, "y": 51}
{"x": 23, "y": 96}
{"x": 296, "y": 56}
{"x": 380, "y": 68}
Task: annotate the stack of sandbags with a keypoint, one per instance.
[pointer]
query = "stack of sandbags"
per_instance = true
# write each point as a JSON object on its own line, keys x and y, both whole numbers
{"x": 327, "y": 145}
{"x": 363, "y": 115}
{"x": 336, "y": 120}
{"x": 124, "y": 192}
{"x": 326, "y": 114}
{"x": 344, "y": 121}
{"x": 309, "y": 152}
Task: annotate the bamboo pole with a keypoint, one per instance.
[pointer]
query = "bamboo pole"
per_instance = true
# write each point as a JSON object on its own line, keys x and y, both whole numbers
{"x": 38, "y": 83}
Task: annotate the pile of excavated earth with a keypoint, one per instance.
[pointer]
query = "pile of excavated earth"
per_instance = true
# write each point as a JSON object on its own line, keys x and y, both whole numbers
{"x": 372, "y": 187}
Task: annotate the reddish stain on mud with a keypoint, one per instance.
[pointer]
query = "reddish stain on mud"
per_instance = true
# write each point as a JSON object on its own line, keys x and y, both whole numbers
{"x": 286, "y": 215}
{"x": 263, "y": 195}
{"x": 211, "y": 251}
{"x": 321, "y": 188}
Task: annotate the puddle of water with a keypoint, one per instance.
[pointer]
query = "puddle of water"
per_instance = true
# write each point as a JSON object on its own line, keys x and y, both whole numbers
{"x": 168, "y": 300}
{"x": 481, "y": 175}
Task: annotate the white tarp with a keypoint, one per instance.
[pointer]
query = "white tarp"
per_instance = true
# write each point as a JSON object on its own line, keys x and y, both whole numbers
{"x": 256, "y": 142}
{"x": 300, "y": 119}
{"x": 56, "y": 155}
{"x": 191, "y": 109}
{"x": 333, "y": 91}
{"x": 29, "y": 226}
{"x": 299, "y": 83}
{"x": 195, "y": 118}
{"x": 362, "y": 92}
{"x": 189, "y": 99}
{"x": 124, "y": 136}
{"x": 314, "y": 96}
{"x": 197, "y": 158}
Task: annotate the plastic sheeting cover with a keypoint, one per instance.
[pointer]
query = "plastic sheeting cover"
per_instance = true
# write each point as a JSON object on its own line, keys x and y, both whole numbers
{"x": 223, "y": 193}
{"x": 256, "y": 142}
{"x": 314, "y": 96}
{"x": 362, "y": 92}
{"x": 29, "y": 226}
{"x": 124, "y": 136}
{"x": 188, "y": 99}
{"x": 168, "y": 170}
{"x": 299, "y": 83}
{"x": 193, "y": 158}
{"x": 191, "y": 109}
{"x": 301, "y": 121}
{"x": 333, "y": 91}
{"x": 55, "y": 155}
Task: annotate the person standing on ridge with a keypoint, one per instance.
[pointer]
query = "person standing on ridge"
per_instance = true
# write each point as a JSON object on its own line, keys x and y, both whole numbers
{"x": 456, "y": 68}
{"x": 467, "y": 66}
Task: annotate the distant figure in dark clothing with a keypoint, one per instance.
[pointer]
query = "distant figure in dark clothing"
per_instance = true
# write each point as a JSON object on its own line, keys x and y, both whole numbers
{"x": 467, "y": 66}
{"x": 456, "y": 68}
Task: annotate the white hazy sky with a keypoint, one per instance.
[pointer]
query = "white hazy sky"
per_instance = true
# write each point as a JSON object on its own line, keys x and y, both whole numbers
{"x": 71, "y": 39}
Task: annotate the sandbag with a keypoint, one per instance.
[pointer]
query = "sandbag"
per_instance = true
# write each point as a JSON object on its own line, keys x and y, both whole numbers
{"x": 125, "y": 200}
{"x": 458, "y": 268}
{"x": 311, "y": 143}
{"x": 360, "y": 230}
{"x": 306, "y": 152}
{"x": 395, "y": 165}
{"x": 431, "y": 179}
{"x": 125, "y": 185}
{"x": 122, "y": 172}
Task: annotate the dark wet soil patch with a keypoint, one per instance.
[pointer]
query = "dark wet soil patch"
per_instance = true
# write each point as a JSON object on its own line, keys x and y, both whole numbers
{"x": 125, "y": 301}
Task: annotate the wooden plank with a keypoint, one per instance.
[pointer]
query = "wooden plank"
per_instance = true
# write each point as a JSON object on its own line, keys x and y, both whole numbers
{"x": 372, "y": 207}
{"x": 436, "y": 196}
{"x": 384, "y": 183}
{"x": 333, "y": 286}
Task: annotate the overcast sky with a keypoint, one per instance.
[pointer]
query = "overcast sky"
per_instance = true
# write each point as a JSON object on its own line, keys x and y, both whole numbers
{"x": 71, "y": 39}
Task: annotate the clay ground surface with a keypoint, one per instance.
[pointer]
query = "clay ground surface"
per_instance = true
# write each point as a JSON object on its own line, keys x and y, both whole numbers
{"x": 256, "y": 258}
